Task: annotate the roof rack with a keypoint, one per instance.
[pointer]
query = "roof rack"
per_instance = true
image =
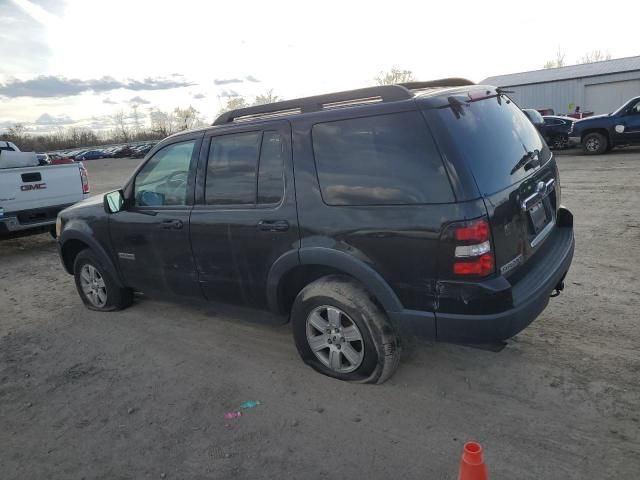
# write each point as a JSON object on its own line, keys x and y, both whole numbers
{"x": 361, "y": 96}
{"x": 443, "y": 82}
{"x": 349, "y": 98}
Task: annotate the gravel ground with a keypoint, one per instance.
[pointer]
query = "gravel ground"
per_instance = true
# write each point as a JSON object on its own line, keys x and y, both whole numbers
{"x": 142, "y": 393}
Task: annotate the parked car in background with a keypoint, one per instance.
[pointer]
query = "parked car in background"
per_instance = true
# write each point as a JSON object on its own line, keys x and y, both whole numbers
{"x": 537, "y": 120}
{"x": 122, "y": 152}
{"x": 8, "y": 146}
{"x": 43, "y": 159}
{"x": 142, "y": 151}
{"x": 58, "y": 159}
{"x": 345, "y": 218}
{"x": 31, "y": 195}
{"x": 557, "y": 130}
{"x": 90, "y": 155}
{"x": 601, "y": 133}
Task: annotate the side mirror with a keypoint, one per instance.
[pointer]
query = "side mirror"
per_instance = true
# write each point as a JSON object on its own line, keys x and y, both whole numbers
{"x": 113, "y": 201}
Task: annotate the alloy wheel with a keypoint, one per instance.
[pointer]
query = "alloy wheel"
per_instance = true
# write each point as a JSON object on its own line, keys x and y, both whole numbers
{"x": 335, "y": 339}
{"x": 93, "y": 285}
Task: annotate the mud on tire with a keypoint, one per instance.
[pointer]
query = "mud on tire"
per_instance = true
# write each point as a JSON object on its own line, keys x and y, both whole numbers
{"x": 380, "y": 345}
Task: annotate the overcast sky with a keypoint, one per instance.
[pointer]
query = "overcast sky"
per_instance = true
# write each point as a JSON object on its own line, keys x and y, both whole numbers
{"x": 77, "y": 62}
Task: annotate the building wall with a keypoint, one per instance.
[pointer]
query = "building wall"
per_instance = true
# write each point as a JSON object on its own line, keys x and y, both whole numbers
{"x": 607, "y": 93}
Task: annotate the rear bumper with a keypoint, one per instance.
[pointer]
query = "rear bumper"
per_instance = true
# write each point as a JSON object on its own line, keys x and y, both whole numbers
{"x": 529, "y": 296}
{"x": 38, "y": 219}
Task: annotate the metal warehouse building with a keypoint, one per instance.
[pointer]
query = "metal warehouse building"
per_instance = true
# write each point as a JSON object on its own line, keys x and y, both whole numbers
{"x": 600, "y": 87}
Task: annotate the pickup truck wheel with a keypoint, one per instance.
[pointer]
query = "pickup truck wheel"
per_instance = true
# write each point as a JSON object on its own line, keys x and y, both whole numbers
{"x": 96, "y": 287}
{"x": 594, "y": 144}
{"x": 340, "y": 331}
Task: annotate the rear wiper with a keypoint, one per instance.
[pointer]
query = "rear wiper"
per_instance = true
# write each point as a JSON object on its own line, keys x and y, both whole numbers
{"x": 528, "y": 160}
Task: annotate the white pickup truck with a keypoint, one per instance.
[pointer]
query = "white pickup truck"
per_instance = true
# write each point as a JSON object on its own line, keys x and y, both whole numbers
{"x": 32, "y": 195}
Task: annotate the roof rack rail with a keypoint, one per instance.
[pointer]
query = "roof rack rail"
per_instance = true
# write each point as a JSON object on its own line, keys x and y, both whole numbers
{"x": 383, "y": 93}
{"x": 443, "y": 82}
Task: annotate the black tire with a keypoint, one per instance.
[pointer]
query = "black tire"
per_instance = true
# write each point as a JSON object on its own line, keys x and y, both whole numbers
{"x": 380, "y": 342}
{"x": 117, "y": 298}
{"x": 594, "y": 144}
{"x": 558, "y": 142}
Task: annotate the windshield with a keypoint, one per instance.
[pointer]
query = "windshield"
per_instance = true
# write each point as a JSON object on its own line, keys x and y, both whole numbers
{"x": 495, "y": 138}
{"x": 624, "y": 107}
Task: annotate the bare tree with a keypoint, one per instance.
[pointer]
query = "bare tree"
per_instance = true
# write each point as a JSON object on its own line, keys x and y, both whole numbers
{"x": 393, "y": 76}
{"x": 594, "y": 56}
{"x": 187, "y": 118}
{"x": 266, "y": 97}
{"x": 136, "y": 119}
{"x": 559, "y": 61}
{"x": 162, "y": 123}
{"x": 233, "y": 103}
{"x": 120, "y": 121}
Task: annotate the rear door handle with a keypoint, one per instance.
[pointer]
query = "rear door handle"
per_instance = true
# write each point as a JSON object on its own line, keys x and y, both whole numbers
{"x": 177, "y": 224}
{"x": 273, "y": 225}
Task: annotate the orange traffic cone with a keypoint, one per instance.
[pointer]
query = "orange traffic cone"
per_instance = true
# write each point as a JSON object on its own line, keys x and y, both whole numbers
{"x": 472, "y": 465}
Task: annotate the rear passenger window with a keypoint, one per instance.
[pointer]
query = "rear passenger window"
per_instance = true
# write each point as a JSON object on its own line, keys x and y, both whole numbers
{"x": 381, "y": 160}
{"x": 270, "y": 172}
{"x": 231, "y": 170}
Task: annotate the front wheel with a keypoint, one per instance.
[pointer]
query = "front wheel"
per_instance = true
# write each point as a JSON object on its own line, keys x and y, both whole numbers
{"x": 594, "y": 144}
{"x": 96, "y": 287}
{"x": 341, "y": 332}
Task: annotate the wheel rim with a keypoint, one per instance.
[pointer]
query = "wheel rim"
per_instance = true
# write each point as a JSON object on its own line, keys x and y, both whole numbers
{"x": 593, "y": 144}
{"x": 93, "y": 285}
{"x": 334, "y": 338}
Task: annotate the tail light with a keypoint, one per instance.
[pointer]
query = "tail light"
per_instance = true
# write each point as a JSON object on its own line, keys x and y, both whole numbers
{"x": 473, "y": 253}
{"x": 84, "y": 178}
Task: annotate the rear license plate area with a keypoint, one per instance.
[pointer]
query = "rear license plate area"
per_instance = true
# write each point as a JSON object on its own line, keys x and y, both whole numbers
{"x": 538, "y": 218}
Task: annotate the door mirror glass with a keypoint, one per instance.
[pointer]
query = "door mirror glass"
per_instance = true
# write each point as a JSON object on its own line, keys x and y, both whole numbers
{"x": 113, "y": 201}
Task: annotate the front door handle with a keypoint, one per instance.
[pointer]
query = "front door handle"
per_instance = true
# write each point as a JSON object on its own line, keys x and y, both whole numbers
{"x": 273, "y": 225}
{"x": 176, "y": 224}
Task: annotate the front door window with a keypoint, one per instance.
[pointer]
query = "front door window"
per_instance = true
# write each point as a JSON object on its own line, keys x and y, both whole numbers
{"x": 163, "y": 180}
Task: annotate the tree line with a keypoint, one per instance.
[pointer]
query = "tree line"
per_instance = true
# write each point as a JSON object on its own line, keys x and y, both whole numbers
{"x": 128, "y": 127}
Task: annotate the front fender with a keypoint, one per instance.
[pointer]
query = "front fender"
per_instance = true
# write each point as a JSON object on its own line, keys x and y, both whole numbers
{"x": 80, "y": 231}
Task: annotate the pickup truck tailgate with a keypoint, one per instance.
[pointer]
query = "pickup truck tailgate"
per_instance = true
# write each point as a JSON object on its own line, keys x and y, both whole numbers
{"x": 30, "y": 188}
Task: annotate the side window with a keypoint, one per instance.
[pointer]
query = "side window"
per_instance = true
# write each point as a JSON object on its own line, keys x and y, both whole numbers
{"x": 163, "y": 179}
{"x": 231, "y": 169}
{"x": 635, "y": 110}
{"x": 271, "y": 169}
{"x": 381, "y": 160}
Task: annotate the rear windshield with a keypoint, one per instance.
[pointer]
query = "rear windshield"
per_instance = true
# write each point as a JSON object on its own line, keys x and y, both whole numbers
{"x": 492, "y": 137}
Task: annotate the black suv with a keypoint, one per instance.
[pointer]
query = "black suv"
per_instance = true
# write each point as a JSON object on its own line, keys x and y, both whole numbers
{"x": 427, "y": 208}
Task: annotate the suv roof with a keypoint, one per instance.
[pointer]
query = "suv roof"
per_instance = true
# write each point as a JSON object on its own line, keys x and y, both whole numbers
{"x": 330, "y": 101}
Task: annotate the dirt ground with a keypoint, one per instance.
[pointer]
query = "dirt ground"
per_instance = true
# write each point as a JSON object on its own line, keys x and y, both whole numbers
{"x": 142, "y": 393}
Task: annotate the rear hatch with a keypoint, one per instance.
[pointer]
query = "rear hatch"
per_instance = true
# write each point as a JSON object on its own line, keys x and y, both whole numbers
{"x": 512, "y": 166}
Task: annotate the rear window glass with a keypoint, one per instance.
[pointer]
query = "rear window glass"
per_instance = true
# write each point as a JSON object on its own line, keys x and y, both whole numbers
{"x": 380, "y": 160}
{"x": 492, "y": 137}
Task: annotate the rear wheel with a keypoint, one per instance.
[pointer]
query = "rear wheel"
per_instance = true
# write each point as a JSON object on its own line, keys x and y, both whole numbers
{"x": 594, "y": 144}
{"x": 341, "y": 332}
{"x": 96, "y": 287}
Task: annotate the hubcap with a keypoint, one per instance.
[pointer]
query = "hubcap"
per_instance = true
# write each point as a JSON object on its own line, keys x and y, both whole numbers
{"x": 593, "y": 144}
{"x": 335, "y": 339}
{"x": 93, "y": 285}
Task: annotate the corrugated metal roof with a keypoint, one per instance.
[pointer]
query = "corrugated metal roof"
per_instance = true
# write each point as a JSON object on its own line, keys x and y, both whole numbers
{"x": 565, "y": 73}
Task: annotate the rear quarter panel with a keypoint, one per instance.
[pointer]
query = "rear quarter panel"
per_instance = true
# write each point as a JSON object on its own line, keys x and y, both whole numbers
{"x": 400, "y": 242}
